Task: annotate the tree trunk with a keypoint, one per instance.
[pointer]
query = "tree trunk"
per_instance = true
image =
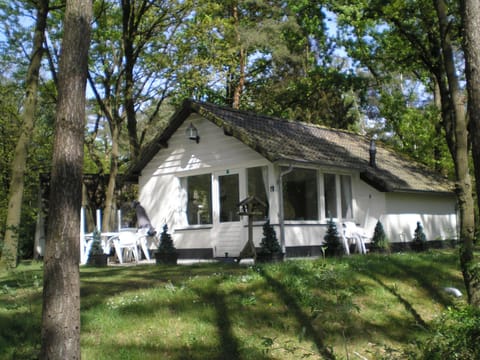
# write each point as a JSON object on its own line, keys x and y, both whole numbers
{"x": 108, "y": 213}
{"x": 460, "y": 153}
{"x": 61, "y": 284}
{"x": 438, "y": 126}
{"x": 128, "y": 32}
{"x": 15, "y": 192}
{"x": 238, "y": 87}
{"x": 237, "y": 92}
{"x": 471, "y": 36}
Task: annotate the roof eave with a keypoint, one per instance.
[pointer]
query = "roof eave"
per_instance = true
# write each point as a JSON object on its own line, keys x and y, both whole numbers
{"x": 232, "y": 130}
{"x": 160, "y": 141}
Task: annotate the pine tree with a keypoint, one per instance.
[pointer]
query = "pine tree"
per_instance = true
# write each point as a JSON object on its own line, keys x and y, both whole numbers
{"x": 419, "y": 241}
{"x": 166, "y": 243}
{"x": 332, "y": 240}
{"x": 269, "y": 243}
{"x": 380, "y": 241}
{"x": 96, "y": 248}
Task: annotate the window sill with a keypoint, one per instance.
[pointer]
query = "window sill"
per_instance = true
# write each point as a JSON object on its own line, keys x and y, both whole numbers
{"x": 304, "y": 222}
{"x": 194, "y": 227}
{"x": 321, "y": 222}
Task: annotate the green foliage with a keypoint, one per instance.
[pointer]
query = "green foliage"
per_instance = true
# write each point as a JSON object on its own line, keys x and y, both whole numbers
{"x": 417, "y": 129}
{"x": 38, "y": 160}
{"x": 454, "y": 335}
{"x": 312, "y": 98}
{"x": 96, "y": 248}
{"x": 419, "y": 241}
{"x": 391, "y": 40}
{"x": 269, "y": 243}
{"x": 332, "y": 240}
{"x": 379, "y": 240}
{"x": 166, "y": 245}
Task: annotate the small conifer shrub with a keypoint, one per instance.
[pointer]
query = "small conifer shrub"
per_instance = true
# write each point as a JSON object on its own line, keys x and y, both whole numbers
{"x": 380, "y": 241}
{"x": 166, "y": 243}
{"x": 96, "y": 248}
{"x": 332, "y": 240}
{"x": 269, "y": 243}
{"x": 166, "y": 252}
{"x": 419, "y": 242}
{"x": 96, "y": 255}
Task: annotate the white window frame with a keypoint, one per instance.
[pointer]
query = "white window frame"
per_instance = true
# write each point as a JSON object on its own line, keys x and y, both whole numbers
{"x": 267, "y": 190}
{"x": 216, "y": 191}
{"x": 338, "y": 195}
{"x": 184, "y": 190}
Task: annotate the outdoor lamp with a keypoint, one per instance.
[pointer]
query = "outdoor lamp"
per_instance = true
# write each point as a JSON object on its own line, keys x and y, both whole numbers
{"x": 373, "y": 153}
{"x": 192, "y": 133}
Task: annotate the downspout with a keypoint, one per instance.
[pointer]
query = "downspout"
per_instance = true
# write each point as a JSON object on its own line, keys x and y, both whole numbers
{"x": 280, "y": 205}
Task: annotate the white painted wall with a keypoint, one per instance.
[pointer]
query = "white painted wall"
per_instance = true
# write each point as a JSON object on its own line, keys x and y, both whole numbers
{"x": 436, "y": 213}
{"x": 160, "y": 189}
{"x": 216, "y": 151}
{"x": 398, "y": 213}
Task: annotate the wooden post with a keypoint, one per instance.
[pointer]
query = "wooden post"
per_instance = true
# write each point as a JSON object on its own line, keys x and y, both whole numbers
{"x": 248, "y": 208}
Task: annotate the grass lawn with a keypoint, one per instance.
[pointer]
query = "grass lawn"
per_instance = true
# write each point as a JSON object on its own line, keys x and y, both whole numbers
{"x": 370, "y": 306}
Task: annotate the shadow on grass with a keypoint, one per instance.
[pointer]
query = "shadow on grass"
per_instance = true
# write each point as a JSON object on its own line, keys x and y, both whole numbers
{"x": 303, "y": 318}
{"x": 97, "y": 284}
{"x": 229, "y": 344}
{"x": 428, "y": 277}
{"x": 414, "y": 269}
{"x": 401, "y": 300}
{"x": 20, "y": 336}
{"x": 21, "y": 328}
{"x": 20, "y": 306}
{"x": 110, "y": 350}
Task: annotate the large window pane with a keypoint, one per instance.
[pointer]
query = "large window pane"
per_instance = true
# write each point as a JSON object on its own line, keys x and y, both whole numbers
{"x": 257, "y": 186}
{"x": 346, "y": 196}
{"x": 229, "y": 197}
{"x": 300, "y": 195}
{"x": 330, "y": 195}
{"x": 199, "y": 205}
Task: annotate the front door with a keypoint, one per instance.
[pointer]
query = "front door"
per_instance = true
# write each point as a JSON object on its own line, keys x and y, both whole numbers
{"x": 229, "y": 229}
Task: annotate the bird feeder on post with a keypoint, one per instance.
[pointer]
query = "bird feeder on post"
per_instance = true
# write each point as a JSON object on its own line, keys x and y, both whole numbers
{"x": 250, "y": 206}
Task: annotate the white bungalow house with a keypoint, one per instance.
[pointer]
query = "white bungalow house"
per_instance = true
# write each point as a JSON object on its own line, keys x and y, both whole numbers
{"x": 193, "y": 175}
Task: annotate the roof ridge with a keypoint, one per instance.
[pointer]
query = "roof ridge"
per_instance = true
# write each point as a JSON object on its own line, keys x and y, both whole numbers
{"x": 251, "y": 113}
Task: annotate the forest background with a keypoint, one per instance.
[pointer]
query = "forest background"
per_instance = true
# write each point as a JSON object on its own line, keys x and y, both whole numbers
{"x": 392, "y": 71}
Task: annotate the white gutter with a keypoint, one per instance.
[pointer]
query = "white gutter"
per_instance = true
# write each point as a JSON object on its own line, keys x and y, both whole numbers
{"x": 280, "y": 205}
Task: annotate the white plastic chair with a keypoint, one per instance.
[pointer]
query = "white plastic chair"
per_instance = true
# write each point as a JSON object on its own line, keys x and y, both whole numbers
{"x": 126, "y": 240}
{"x": 142, "y": 238}
{"x": 353, "y": 234}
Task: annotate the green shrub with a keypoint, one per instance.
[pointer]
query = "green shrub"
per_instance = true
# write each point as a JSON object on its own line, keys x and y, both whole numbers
{"x": 379, "y": 240}
{"x": 419, "y": 242}
{"x": 166, "y": 242}
{"x": 96, "y": 248}
{"x": 269, "y": 243}
{"x": 332, "y": 240}
{"x": 455, "y": 335}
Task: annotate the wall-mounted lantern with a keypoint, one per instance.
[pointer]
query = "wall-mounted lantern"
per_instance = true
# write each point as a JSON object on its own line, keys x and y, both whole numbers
{"x": 373, "y": 152}
{"x": 192, "y": 133}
